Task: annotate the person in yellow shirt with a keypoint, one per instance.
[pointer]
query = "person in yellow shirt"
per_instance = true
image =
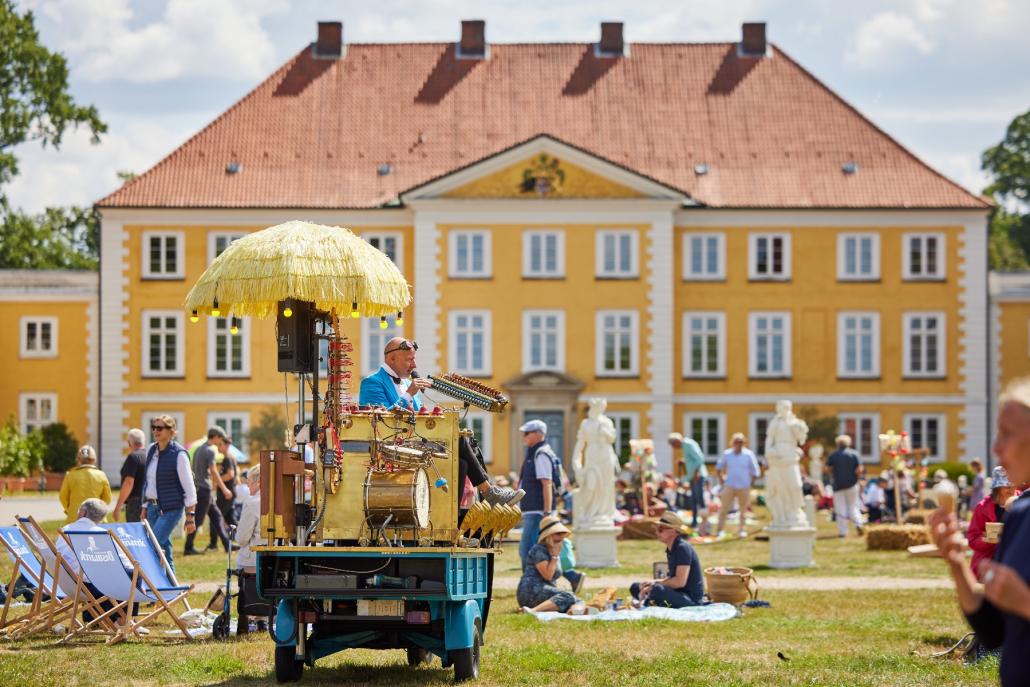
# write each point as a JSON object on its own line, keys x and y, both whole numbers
{"x": 84, "y": 481}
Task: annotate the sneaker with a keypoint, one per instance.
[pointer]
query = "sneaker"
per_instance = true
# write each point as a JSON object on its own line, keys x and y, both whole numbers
{"x": 213, "y": 547}
{"x": 142, "y": 630}
{"x": 518, "y": 494}
{"x": 578, "y": 586}
{"x": 495, "y": 496}
{"x": 191, "y": 552}
{"x": 742, "y": 535}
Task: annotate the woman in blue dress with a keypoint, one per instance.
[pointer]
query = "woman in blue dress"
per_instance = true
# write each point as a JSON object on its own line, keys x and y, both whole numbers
{"x": 536, "y": 590}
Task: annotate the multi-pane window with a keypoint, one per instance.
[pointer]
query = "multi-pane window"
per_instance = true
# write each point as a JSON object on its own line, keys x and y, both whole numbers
{"x": 923, "y": 256}
{"x": 707, "y": 429}
{"x": 162, "y": 343}
{"x": 758, "y": 428}
{"x": 617, "y": 254}
{"x": 228, "y": 353}
{"x": 769, "y": 337}
{"x": 858, "y": 257}
{"x": 924, "y": 344}
{"x": 38, "y": 337}
{"x": 373, "y": 343}
{"x": 236, "y": 425}
{"x": 626, "y": 428}
{"x": 769, "y": 256}
{"x": 927, "y": 431}
{"x": 543, "y": 340}
{"x": 479, "y": 423}
{"x": 218, "y": 241}
{"x": 704, "y": 256}
{"x": 617, "y": 343}
{"x": 864, "y": 430}
{"x": 469, "y": 342}
{"x": 469, "y": 254}
{"x": 858, "y": 344}
{"x": 543, "y": 254}
{"x": 163, "y": 254}
{"x": 36, "y": 410}
{"x": 389, "y": 242}
{"x": 704, "y": 344}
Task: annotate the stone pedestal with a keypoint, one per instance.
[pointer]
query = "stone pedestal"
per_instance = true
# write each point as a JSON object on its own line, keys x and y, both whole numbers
{"x": 791, "y": 547}
{"x": 810, "y": 509}
{"x": 595, "y": 547}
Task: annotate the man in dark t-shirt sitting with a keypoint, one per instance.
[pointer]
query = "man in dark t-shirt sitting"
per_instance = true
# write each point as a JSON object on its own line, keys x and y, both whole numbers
{"x": 684, "y": 586}
{"x": 845, "y": 468}
{"x": 133, "y": 474}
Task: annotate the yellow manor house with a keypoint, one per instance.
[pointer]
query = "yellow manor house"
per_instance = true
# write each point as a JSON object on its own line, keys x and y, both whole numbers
{"x": 691, "y": 231}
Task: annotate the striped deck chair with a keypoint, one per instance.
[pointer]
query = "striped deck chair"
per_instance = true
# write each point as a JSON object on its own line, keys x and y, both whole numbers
{"x": 98, "y": 553}
{"x": 27, "y": 566}
{"x": 139, "y": 539}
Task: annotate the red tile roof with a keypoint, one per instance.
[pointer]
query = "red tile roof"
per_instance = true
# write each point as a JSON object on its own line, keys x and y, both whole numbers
{"x": 315, "y": 132}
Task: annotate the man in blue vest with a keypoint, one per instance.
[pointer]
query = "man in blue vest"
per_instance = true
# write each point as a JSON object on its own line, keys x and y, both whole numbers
{"x": 396, "y": 384}
{"x": 538, "y": 477}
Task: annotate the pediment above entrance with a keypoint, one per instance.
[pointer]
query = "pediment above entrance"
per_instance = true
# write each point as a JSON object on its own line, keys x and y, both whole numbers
{"x": 543, "y": 380}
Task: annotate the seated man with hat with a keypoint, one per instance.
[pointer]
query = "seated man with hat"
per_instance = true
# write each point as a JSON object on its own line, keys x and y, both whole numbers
{"x": 684, "y": 586}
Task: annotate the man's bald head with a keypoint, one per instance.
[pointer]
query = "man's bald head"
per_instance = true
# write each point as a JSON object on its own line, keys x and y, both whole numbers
{"x": 399, "y": 356}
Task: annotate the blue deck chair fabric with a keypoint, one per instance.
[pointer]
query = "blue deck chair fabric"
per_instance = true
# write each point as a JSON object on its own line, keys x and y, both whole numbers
{"x": 18, "y": 550}
{"x": 137, "y": 539}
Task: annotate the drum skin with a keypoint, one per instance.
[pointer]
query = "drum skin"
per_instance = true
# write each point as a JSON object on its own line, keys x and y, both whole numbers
{"x": 403, "y": 493}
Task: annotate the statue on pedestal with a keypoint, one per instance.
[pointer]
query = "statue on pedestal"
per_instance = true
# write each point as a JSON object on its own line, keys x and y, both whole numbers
{"x": 783, "y": 492}
{"x": 595, "y": 465}
{"x": 815, "y": 462}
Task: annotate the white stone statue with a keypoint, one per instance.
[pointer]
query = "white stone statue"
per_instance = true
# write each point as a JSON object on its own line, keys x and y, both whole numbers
{"x": 815, "y": 462}
{"x": 595, "y": 465}
{"x": 783, "y": 492}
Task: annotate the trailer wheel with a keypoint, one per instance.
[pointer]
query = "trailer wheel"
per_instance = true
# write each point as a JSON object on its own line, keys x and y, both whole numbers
{"x": 417, "y": 656}
{"x": 466, "y": 661}
{"x": 288, "y": 668}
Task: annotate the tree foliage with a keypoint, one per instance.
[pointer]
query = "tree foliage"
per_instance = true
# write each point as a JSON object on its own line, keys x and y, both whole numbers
{"x": 269, "y": 433}
{"x": 1009, "y": 164}
{"x": 822, "y": 429}
{"x": 58, "y": 446}
{"x": 19, "y": 454}
{"x": 58, "y": 238}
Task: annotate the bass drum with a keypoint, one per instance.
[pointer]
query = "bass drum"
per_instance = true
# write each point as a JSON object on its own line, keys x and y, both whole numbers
{"x": 402, "y": 493}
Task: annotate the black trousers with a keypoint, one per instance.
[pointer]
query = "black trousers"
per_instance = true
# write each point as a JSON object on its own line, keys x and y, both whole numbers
{"x": 206, "y": 507}
{"x": 249, "y": 603}
{"x": 133, "y": 510}
{"x": 470, "y": 464}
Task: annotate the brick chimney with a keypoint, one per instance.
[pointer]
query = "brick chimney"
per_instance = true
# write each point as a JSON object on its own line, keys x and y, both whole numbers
{"x": 473, "y": 39}
{"x": 329, "y": 45}
{"x": 611, "y": 44}
{"x": 753, "y": 43}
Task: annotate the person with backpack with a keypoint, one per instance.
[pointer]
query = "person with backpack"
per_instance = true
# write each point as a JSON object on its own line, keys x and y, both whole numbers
{"x": 540, "y": 478}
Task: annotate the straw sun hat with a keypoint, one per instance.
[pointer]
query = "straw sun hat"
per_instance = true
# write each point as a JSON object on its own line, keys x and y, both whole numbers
{"x": 551, "y": 525}
{"x": 673, "y": 521}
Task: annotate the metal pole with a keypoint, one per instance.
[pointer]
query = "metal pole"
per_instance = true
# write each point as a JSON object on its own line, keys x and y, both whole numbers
{"x": 298, "y": 484}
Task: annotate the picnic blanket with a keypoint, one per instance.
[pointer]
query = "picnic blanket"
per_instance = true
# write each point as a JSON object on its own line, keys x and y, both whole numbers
{"x": 693, "y": 614}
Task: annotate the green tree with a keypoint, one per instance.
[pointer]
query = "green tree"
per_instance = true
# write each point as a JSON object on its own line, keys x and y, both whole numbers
{"x": 1009, "y": 164}
{"x": 58, "y": 446}
{"x": 269, "y": 433}
{"x": 35, "y": 106}
{"x": 19, "y": 454}
{"x": 822, "y": 429}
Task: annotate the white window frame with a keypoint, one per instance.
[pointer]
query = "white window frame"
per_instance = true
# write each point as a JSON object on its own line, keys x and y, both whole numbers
{"x": 942, "y": 257}
{"x": 842, "y": 370}
{"x": 942, "y": 335}
{"x": 147, "y": 416}
{"x": 145, "y": 371}
{"x": 874, "y": 263}
{"x": 527, "y": 254}
{"x": 720, "y": 258}
{"x": 634, "y": 254}
{"x": 720, "y": 438}
{"x": 398, "y": 238}
{"x": 23, "y": 329}
{"x": 634, "y": 426}
{"x": 225, "y": 418}
{"x": 874, "y": 418}
{"x": 23, "y": 406}
{"x": 180, "y": 254}
{"x": 942, "y": 433}
{"x": 452, "y": 347}
{"x": 599, "y": 331}
{"x": 453, "y": 270}
{"x": 752, "y": 256}
{"x": 212, "y": 241}
{"x": 527, "y": 340}
{"x": 756, "y": 446}
{"x": 487, "y": 439}
{"x": 720, "y": 368}
{"x": 212, "y": 335}
{"x": 752, "y": 345}
{"x": 372, "y": 353}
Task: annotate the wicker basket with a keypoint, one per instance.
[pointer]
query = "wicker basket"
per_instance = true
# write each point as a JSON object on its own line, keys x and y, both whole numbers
{"x": 731, "y": 585}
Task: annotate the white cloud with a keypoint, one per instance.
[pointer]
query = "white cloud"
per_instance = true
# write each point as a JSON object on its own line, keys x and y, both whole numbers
{"x": 190, "y": 38}
{"x": 885, "y": 38}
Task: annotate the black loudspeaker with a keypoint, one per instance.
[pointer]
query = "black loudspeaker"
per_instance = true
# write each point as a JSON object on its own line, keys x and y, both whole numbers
{"x": 295, "y": 336}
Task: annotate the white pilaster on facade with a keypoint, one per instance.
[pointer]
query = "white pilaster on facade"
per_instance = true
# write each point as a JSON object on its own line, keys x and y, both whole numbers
{"x": 995, "y": 370}
{"x": 92, "y": 369}
{"x": 427, "y": 290}
{"x": 114, "y": 358}
{"x": 973, "y": 339}
{"x": 660, "y": 365}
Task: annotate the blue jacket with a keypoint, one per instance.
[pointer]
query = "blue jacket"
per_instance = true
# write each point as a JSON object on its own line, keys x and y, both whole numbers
{"x": 379, "y": 390}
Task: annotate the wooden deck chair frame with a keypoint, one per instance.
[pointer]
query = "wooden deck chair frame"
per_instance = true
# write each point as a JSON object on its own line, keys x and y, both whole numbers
{"x": 169, "y": 571}
{"x": 34, "y": 580}
{"x": 39, "y": 606}
{"x": 130, "y": 626}
{"x": 58, "y": 609}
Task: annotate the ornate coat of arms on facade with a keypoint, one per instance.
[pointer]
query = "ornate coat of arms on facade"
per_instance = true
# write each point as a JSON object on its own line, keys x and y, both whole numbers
{"x": 543, "y": 176}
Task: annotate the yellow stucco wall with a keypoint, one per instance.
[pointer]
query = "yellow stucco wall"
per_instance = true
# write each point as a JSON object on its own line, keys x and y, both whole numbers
{"x": 1015, "y": 340}
{"x": 577, "y": 183}
{"x": 64, "y": 375}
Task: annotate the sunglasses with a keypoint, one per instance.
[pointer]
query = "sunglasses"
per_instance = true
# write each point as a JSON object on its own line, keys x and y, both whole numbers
{"x": 158, "y": 428}
{"x": 402, "y": 346}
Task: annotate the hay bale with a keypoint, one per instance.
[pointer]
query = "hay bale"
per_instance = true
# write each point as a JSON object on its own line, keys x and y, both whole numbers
{"x": 918, "y": 516}
{"x": 895, "y": 537}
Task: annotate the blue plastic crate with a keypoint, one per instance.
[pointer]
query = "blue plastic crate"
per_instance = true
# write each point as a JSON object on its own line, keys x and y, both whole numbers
{"x": 467, "y": 577}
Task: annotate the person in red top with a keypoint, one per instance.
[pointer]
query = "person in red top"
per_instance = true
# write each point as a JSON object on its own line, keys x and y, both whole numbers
{"x": 990, "y": 509}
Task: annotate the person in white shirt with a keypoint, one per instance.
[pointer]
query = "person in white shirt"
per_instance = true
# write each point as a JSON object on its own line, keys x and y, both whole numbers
{"x": 248, "y": 535}
{"x": 875, "y": 498}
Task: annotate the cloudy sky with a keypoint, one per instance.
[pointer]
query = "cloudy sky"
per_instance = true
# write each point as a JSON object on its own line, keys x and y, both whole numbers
{"x": 944, "y": 77}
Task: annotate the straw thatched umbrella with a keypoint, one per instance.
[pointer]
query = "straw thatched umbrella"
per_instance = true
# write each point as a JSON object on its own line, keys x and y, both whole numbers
{"x": 329, "y": 266}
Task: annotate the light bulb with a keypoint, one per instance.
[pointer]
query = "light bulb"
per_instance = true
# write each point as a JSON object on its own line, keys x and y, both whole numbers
{"x": 215, "y": 312}
{"x": 194, "y": 317}
{"x": 235, "y": 328}
{"x": 382, "y": 323}
{"x": 400, "y": 319}
{"x": 287, "y": 311}
{"x": 354, "y": 310}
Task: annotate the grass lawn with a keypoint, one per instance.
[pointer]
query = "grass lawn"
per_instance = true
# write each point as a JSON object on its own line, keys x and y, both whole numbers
{"x": 830, "y": 638}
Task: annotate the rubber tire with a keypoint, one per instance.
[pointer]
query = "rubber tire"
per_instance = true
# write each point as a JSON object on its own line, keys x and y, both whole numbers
{"x": 288, "y": 668}
{"x": 417, "y": 656}
{"x": 220, "y": 628}
{"x": 466, "y": 661}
